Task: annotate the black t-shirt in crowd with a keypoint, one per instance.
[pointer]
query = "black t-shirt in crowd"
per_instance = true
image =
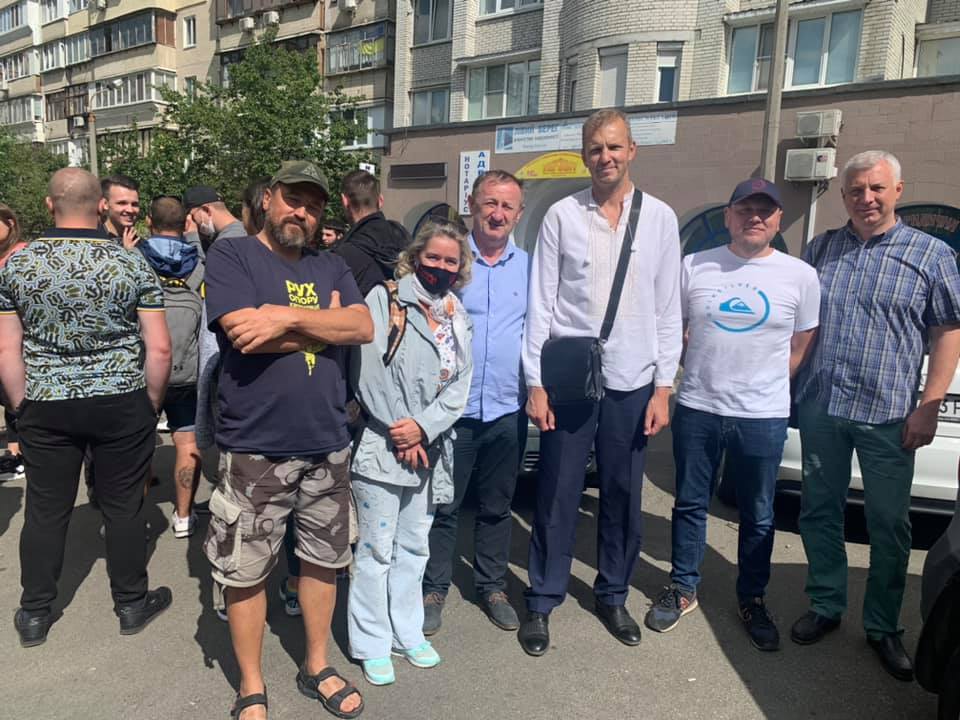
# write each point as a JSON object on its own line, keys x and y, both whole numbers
{"x": 278, "y": 404}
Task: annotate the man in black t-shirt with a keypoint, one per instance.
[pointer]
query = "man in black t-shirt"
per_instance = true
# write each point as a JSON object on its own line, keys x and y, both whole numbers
{"x": 282, "y": 314}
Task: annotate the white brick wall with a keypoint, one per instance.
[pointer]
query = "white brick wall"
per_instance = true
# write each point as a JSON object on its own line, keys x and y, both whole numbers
{"x": 943, "y": 11}
{"x": 513, "y": 32}
{"x": 709, "y": 68}
{"x": 551, "y": 77}
{"x": 575, "y": 29}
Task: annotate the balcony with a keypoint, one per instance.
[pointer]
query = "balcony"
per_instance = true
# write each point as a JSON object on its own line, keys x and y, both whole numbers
{"x": 231, "y": 9}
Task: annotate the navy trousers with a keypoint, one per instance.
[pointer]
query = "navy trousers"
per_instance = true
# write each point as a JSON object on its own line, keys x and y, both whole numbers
{"x": 614, "y": 426}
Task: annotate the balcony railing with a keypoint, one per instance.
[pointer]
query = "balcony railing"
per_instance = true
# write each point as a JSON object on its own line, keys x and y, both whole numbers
{"x": 230, "y": 9}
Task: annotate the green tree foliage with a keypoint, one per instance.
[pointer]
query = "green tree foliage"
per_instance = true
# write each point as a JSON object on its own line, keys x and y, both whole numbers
{"x": 25, "y": 170}
{"x": 273, "y": 109}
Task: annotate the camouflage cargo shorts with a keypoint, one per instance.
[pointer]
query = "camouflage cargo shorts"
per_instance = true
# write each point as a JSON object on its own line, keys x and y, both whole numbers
{"x": 250, "y": 507}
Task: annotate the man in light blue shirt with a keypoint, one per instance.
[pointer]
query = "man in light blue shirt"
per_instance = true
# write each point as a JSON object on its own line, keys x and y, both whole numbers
{"x": 491, "y": 433}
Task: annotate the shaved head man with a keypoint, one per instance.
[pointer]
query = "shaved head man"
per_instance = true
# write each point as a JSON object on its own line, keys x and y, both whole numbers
{"x": 74, "y": 193}
{"x": 84, "y": 362}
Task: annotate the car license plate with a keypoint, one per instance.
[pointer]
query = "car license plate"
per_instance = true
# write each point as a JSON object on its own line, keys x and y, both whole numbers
{"x": 950, "y": 409}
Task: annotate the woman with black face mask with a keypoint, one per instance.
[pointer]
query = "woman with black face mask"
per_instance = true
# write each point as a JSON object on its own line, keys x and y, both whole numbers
{"x": 412, "y": 381}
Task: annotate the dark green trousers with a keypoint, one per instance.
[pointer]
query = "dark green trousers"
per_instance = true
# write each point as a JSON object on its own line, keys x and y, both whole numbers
{"x": 828, "y": 444}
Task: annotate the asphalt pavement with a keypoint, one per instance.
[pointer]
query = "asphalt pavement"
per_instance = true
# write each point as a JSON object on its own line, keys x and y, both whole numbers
{"x": 182, "y": 666}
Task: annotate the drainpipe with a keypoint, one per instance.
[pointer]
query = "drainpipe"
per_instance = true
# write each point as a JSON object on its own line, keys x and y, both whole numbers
{"x": 771, "y": 117}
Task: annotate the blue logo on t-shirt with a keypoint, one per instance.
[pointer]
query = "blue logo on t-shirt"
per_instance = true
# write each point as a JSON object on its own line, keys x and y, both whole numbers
{"x": 735, "y": 305}
{"x": 741, "y": 307}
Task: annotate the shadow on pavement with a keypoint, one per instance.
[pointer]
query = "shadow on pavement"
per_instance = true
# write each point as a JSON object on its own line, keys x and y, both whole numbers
{"x": 11, "y": 500}
{"x": 84, "y": 546}
{"x": 213, "y": 634}
{"x": 838, "y": 677}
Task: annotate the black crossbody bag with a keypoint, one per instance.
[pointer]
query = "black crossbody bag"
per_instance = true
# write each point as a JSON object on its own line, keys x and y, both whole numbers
{"x": 571, "y": 367}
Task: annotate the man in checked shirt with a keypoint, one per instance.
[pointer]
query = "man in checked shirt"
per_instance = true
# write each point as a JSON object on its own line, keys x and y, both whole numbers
{"x": 885, "y": 288}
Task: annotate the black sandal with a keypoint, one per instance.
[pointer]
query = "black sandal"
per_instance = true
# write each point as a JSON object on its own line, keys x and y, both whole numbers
{"x": 242, "y": 703}
{"x": 309, "y": 685}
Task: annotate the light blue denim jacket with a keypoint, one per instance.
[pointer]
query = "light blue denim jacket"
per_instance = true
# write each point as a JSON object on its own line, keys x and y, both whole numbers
{"x": 408, "y": 388}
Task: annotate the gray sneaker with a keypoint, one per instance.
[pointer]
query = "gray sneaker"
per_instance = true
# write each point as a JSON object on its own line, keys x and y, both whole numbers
{"x": 432, "y": 609}
{"x": 501, "y": 613}
{"x": 671, "y": 605}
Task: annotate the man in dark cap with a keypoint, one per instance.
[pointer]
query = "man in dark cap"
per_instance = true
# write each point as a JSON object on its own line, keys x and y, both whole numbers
{"x": 282, "y": 317}
{"x": 750, "y": 314}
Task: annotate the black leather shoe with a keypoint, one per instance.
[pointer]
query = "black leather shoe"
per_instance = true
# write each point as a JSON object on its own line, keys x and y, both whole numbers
{"x": 893, "y": 656}
{"x": 134, "y": 618}
{"x": 618, "y": 621}
{"x": 812, "y": 627}
{"x": 32, "y": 628}
{"x": 534, "y": 634}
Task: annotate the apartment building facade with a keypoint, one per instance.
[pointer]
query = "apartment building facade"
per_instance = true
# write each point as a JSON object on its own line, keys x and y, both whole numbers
{"x": 62, "y": 61}
{"x": 487, "y": 59}
{"x": 510, "y": 81}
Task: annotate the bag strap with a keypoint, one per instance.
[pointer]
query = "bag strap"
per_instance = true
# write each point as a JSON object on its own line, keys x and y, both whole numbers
{"x": 397, "y": 322}
{"x": 622, "y": 263}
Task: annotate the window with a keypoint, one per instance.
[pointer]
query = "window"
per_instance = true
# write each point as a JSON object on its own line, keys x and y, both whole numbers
{"x": 28, "y": 108}
{"x": 358, "y": 120}
{"x": 131, "y": 32}
{"x": 939, "y": 57}
{"x": 503, "y": 90}
{"x": 613, "y": 76}
{"x": 77, "y": 48}
{"x": 13, "y": 16}
{"x": 51, "y": 56}
{"x": 359, "y": 49}
{"x": 51, "y": 10}
{"x": 570, "y": 102}
{"x": 190, "y": 31}
{"x": 431, "y": 21}
{"x": 489, "y": 7}
{"x": 820, "y": 51}
{"x": 431, "y": 107}
{"x": 77, "y": 6}
{"x": 68, "y": 102}
{"x": 136, "y": 88}
{"x": 190, "y": 86}
{"x": 17, "y": 66}
{"x": 668, "y": 71}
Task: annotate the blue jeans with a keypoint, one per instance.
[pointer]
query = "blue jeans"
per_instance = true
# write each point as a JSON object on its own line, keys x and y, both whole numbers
{"x": 755, "y": 446}
{"x": 385, "y": 603}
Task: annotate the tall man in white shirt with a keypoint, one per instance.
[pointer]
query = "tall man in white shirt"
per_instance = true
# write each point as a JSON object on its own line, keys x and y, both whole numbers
{"x": 751, "y": 313}
{"x": 572, "y": 275}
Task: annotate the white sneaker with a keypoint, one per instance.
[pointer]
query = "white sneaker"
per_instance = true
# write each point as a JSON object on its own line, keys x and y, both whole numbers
{"x": 183, "y": 527}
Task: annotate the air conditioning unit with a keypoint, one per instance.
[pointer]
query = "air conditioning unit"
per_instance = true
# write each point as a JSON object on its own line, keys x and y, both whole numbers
{"x": 349, "y": 5}
{"x": 818, "y": 124}
{"x": 247, "y": 24}
{"x": 38, "y": 131}
{"x": 79, "y": 121}
{"x": 811, "y": 164}
{"x": 271, "y": 18}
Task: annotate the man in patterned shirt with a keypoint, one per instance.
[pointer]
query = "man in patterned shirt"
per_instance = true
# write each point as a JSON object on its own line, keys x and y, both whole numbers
{"x": 84, "y": 358}
{"x": 885, "y": 287}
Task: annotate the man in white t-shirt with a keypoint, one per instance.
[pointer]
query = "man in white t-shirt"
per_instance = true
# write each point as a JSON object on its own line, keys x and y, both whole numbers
{"x": 750, "y": 314}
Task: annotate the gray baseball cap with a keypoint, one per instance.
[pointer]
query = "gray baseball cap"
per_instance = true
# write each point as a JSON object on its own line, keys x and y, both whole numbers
{"x": 301, "y": 171}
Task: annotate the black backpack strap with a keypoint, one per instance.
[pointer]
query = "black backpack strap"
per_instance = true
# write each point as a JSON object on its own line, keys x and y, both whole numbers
{"x": 397, "y": 322}
{"x": 622, "y": 263}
